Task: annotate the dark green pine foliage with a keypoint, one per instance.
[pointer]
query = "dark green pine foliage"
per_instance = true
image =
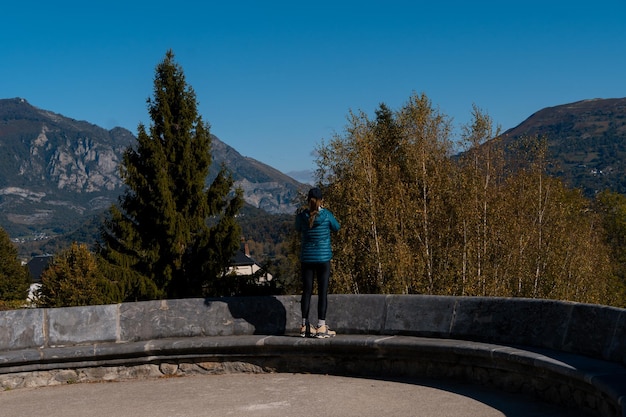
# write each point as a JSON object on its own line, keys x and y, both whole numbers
{"x": 176, "y": 235}
{"x": 14, "y": 278}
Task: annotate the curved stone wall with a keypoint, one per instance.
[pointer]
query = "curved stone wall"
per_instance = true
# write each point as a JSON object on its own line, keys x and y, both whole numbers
{"x": 591, "y": 330}
{"x": 567, "y": 353}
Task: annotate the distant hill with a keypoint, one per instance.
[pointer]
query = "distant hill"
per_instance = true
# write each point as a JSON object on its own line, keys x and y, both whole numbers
{"x": 586, "y": 142}
{"x": 57, "y": 172}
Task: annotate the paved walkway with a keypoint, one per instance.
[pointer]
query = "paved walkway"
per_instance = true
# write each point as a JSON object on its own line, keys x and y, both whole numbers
{"x": 272, "y": 395}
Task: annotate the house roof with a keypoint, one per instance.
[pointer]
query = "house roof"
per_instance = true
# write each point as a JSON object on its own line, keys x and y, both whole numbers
{"x": 36, "y": 266}
{"x": 241, "y": 259}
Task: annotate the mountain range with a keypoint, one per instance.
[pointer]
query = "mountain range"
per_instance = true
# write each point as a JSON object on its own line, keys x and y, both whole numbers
{"x": 586, "y": 142}
{"x": 56, "y": 172}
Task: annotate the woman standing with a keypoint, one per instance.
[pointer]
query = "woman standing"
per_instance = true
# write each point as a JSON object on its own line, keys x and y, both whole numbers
{"x": 315, "y": 223}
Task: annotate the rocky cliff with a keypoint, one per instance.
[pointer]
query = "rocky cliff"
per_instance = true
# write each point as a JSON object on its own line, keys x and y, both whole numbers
{"x": 56, "y": 171}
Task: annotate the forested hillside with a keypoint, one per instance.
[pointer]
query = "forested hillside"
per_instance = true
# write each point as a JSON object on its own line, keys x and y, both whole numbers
{"x": 586, "y": 143}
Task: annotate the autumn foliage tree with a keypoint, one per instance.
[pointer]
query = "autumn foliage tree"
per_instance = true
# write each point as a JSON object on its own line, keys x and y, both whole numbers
{"x": 488, "y": 222}
{"x": 171, "y": 235}
{"x": 74, "y": 279}
{"x": 14, "y": 277}
{"x": 387, "y": 181}
{"x": 612, "y": 207}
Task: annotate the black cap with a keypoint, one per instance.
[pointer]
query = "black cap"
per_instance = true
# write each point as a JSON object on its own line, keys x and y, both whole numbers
{"x": 315, "y": 193}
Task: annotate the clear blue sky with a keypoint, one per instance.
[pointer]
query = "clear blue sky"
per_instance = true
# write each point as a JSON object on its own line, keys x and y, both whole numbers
{"x": 274, "y": 78}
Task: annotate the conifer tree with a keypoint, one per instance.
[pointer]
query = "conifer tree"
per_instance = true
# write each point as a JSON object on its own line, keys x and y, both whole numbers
{"x": 14, "y": 278}
{"x": 173, "y": 232}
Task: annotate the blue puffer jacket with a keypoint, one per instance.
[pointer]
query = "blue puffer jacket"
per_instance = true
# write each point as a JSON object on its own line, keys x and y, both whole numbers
{"x": 315, "y": 243}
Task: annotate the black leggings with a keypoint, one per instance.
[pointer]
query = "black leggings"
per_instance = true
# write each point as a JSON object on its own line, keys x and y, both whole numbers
{"x": 322, "y": 271}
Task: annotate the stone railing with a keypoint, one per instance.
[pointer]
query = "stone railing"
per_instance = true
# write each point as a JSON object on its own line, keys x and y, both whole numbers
{"x": 568, "y": 353}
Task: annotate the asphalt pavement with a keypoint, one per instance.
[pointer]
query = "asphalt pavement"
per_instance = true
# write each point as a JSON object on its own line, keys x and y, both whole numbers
{"x": 279, "y": 394}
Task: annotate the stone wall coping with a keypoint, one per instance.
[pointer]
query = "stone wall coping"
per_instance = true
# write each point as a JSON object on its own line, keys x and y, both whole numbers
{"x": 590, "y": 330}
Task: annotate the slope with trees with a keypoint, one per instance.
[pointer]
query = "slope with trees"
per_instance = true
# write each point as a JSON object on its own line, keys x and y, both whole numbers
{"x": 586, "y": 142}
{"x": 416, "y": 219}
